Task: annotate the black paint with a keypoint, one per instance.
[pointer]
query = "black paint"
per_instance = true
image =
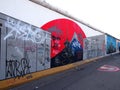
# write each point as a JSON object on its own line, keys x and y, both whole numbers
{"x": 0, "y": 24}
{"x": 15, "y": 68}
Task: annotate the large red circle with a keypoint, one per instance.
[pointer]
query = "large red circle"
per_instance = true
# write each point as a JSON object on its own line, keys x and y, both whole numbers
{"x": 63, "y": 29}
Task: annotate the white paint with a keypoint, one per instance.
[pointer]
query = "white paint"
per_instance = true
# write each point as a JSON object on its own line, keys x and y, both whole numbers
{"x": 28, "y": 11}
{"x": 24, "y": 31}
{"x": 19, "y": 51}
{"x": 89, "y": 32}
{"x": 76, "y": 44}
{"x": 35, "y": 14}
{"x": 102, "y": 14}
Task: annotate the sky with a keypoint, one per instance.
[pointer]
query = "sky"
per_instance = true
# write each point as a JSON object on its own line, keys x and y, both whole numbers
{"x": 101, "y": 14}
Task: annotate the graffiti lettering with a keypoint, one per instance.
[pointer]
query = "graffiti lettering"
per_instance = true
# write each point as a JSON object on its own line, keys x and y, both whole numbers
{"x": 14, "y": 68}
{"x": 94, "y": 46}
{"x": 30, "y": 48}
{"x": 24, "y": 31}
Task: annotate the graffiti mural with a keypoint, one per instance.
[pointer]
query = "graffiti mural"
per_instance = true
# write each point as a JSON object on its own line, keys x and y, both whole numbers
{"x": 24, "y": 48}
{"x": 94, "y": 46}
{"x": 67, "y": 41}
{"x": 119, "y": 46}
{"x": 111, "y": 44}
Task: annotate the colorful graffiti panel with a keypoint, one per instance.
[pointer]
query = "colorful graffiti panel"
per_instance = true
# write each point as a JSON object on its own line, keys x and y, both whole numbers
{"x": 119, "y": 46}
{"x": 24, "y": 48}
{"x": 67, "y": 41}
{"x": 94, "y": 46}
{"x": 111, "y": 45}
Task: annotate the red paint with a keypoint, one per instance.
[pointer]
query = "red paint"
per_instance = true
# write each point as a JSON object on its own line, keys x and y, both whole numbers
{"x": 66, "y": 29}
{"x": 108, "y": 68}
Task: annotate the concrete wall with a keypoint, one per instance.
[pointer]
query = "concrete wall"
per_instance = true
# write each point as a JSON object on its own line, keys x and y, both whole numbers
{"x": 24, "y": 48}
{"x": 67, "y": 34}
{"x": 111, "y": 46}
{"x": 69, "y": 39}
{"x": 94, "y": 46}
{"x": 23, "y": 10}
{"x": 118, "y": 45}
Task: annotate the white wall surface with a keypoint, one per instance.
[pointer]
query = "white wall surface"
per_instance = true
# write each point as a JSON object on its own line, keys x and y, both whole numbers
{"x": 28, "y": 11}
{"x": 35, "y": 14}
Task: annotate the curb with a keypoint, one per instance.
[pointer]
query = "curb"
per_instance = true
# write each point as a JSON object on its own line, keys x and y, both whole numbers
{"x": 12, "y": 82}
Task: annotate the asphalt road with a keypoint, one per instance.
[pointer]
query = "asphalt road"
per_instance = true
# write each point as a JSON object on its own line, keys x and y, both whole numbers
{"x": 86, "y": 77}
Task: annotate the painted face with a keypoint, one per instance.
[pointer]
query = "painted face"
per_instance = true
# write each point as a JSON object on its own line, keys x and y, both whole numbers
{"x": 62, "y": 30}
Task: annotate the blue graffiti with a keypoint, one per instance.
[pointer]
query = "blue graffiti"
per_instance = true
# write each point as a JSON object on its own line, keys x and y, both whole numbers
{"x": 77, "y": 49}
{"x": 111, "y": 44}
{"x": 119, "y": 46}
